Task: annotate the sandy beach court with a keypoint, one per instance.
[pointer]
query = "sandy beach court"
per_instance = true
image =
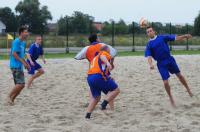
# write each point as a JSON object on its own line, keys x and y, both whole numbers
{"x": 56, "y": 102}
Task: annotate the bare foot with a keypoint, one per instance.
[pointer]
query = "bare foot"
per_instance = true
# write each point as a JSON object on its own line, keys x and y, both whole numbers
{"x": 30, "y": 86}
{"x": 191, "y": 94}
{"x": 173, "y": 105}
{"x": 10, "y": 102}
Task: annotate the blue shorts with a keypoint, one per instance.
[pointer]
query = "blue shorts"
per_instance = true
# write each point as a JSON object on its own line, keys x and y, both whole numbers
{"x": 98, "y": 84}
{"x": 168, "y": 66}
{"x": 33, "y": 68}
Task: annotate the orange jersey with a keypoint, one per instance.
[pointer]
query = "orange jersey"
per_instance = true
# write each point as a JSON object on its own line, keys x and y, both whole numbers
{"x": 97, "y": 66}
{"x": 93, "y": 51}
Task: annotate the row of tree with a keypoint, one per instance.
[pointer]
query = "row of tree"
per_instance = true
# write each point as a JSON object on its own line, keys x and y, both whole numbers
{"x": 79, "y": 22}
{"x": 28, "y": 13}
{"x": 35, "y": 16}
{"x": 83, "y": 23}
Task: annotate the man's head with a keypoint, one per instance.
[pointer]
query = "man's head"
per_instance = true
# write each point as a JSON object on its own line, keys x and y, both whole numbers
{"x": 105, "y": 48}
{"x": 38, "y": 40}
{"x": 23, "y": 32}
{"x": 93, "y": 38}
{"x": 150, "y": 32}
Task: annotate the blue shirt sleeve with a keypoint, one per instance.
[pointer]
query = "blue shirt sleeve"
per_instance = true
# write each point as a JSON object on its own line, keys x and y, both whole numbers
{"x": 31, "y": 49}
{"x": 169, "y": 38}
{"x": 15, "y": 46}
{"x": 148, "y": 51}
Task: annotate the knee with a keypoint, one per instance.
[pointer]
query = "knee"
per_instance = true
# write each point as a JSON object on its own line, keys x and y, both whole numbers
{"x": 166, "y": 83}
{"x": 42, "y": 72}
{"x": 98, "y": 99}
{"x": 179, "y": 75}
{"x": 118, "y": 91}
{"x": 22, "y": 85}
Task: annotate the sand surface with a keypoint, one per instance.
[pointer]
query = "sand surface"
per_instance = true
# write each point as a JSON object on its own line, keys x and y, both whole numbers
{"x": 56, "y": 102}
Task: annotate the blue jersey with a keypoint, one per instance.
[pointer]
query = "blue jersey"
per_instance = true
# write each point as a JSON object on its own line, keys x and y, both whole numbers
{"x": 35, "y": 51}
{"x": 158, "y": 47}
{"x": 19, "y": 47}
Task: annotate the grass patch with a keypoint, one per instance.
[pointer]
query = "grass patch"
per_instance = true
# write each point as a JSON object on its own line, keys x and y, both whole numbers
{"x": 137, "y": 53}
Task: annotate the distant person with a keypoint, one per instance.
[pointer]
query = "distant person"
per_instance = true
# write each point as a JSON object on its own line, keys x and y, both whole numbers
{"x": 99, "y": 81}
{"x": 35, "y": 51}
{"x": 17, "y": 62}
{"x": 158, "y": 49}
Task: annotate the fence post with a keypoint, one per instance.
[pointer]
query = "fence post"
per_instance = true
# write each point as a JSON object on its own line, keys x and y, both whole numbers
{"x": 67, "y": 36}
{"x": 133, "y": 33}
{"x": 170, "y": 32}
{"x": 14, "y": 34}
{"x": 113, "y": 33}
{"x": 187, "y": 45}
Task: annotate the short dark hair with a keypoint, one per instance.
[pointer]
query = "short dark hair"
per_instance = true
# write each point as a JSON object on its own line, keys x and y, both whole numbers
{"x": 22, "y": 29}
{"x": 93, "y": 38}
{"x": 149, "y": 27}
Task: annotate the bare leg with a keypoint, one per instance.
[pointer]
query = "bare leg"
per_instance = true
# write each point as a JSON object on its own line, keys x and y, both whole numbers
{"x": 112, "y": 95}
{"x": 184, "y": 82}
{"x": 38, "y": 74}
{"x": 15, "y": 92}
{"x": 109, "y": 98}
{"x": 91, "y": 106}
{"x": 111, "y": 103}
{"x": 168, "y": 90}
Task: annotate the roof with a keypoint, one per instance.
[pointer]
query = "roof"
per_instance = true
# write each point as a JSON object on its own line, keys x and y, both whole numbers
{"x": 2, "y": 24}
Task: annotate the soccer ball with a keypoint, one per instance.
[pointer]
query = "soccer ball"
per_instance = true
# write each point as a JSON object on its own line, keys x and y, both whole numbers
{"x": 143, "y": 23}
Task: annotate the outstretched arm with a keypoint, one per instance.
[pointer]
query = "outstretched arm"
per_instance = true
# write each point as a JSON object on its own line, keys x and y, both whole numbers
{"x": 183, "y": 37}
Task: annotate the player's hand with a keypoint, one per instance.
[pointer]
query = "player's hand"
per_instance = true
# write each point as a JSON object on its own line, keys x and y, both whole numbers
{"x": 26, "y": 65}
{"x": 44, "y": 61}
{"x": 109, "y": 66}
{"x": 152, "y": 67}
{"x": 32, "y": 63}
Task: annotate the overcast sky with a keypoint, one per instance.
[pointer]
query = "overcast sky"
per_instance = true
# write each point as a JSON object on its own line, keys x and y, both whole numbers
{"x": 176, "y": 11}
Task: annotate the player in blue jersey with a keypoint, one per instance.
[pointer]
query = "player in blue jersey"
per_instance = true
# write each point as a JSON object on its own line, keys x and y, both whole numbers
{"x": 158, "y": 49}
{"x": 17, "y": 63}
{"x": 35, "y": 51}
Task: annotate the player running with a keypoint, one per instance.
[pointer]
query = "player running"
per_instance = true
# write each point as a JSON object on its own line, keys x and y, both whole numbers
{"x": 17, "y": 62}
{"x": 35, "y": 51}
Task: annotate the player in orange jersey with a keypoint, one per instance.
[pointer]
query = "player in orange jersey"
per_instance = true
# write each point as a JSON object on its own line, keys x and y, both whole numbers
{"x": 99, "y": 81}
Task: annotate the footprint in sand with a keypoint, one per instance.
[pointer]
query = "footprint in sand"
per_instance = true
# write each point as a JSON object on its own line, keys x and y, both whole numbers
{"x": 157, "y": 113}
{"x": 195, "y": 123}
{"x": 195, "y": 105}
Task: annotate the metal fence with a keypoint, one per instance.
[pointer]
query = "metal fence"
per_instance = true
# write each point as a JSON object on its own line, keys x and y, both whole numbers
{"x": 133, "y": 40}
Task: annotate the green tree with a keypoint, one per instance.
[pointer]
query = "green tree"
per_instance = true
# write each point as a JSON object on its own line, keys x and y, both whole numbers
{"x": 33, "y": 15}
{"x": 197, "y": 25}
{"x": 9, "y": 19}
{"x": 107, "y": 28}
{"x": 77, "y": 23}
{"x": 121, "y": 27}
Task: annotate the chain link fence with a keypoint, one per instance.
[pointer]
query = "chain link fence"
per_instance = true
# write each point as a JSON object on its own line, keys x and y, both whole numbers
{"x": 125, "y": 37}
